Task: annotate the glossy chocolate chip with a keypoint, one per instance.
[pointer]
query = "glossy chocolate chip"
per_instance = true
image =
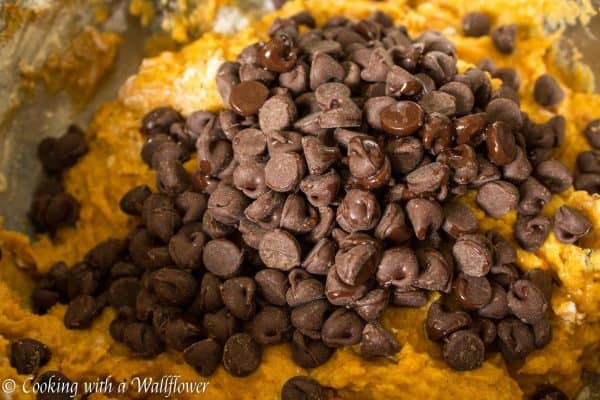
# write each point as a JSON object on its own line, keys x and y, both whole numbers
{"x": 472, "y": 292}
{"x": 393, "y": 227}
{"x": 399, "y": 267}
{"x": 339, "y": 293}
{"x": 400, "y": 82}
{"x": 358, "y": 211}
{"x": 504, "y": 110}
{"x": 402, "y": 118}
{"x": 247, "y": 97}
{"x": 500, "y": 142}
{"x": 371, "y": 306}
{"x": 458, "y": 219}
{"x": 464, "y": 351}
{"x": 570, "y": 225}
{"x": 547, "y": 92}
{"x": 426, "y": 217}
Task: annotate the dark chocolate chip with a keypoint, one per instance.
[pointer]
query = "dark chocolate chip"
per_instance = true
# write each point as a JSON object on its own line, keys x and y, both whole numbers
{"x": 241, "y": 355}
{"x": 204, "y": 356}
{"x": 570, "y": 225}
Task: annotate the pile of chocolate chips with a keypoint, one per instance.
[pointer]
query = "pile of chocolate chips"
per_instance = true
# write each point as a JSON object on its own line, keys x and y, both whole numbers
{"x": 52, "y": 207}
{"x": 324, "y": 194}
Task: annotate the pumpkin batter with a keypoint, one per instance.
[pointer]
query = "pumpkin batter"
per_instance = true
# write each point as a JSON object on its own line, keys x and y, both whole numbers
{"x": 185, "y": 80}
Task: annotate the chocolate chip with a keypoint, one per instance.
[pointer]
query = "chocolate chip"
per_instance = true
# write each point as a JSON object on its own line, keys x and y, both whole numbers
{"x": 174, "y": 286}
{"x": 49, "y": 212}
{"x": 400, "y": 82}
{"x": 339, "y": 293}
{"x": 472, "y": 292}
{"x": 504, "y": 38}
{"x": 404, "y": 153}
{"x": 438, "y": 102}
{"x": 402, "y": 118}
{"x": 515, "y": 339}
{"x": 371, "y": 306}
{"x": 570, "y": 225}
{"x": 589, "y": 162}
{"x": 500, "y": 142}
{"x": 519, "y": 169}
{"x": 504, "y": 110}
{"x": 356, "y": 264}
{"x": 273, "y": 285}
{"x": 498, "y": 307}
{"x": 431, "y": 178}
{"x": 526, "y": 301}
{"x": 441, "y": 322}
{"x": 204, "y": 356}
{"x": 284, "y": 171}
{"x": 464, "y": 351}
{"x": 318, "y": 156}
{"x": 132, "y": 202}
{"x": 411, "y": 298}
{"x": 302, "y": 388}
{"x": 277, "y": 113}
{"x": 270, "y": 326}
{"x": 554, "y": 175}
{"x": 498, "y": 198}
{"x": 473, "y": 254}
{"x": 345, "y": 114}
{"x": 297, "y": 215}
{"x": 374, "y": 106}
{"x": 588, "y": 182}
{"x": 248, "y": 145}
{"x": 476, "y": 24}
{"x": 463, "y": 95}
{"x": 238, "y": 295}
{"x": 309, "y": 353}
{"x": 123, "y": 292}
{"x": 440, "y": 66}
{"x": 181, "y": 332}
{"x": 436, "y": 271}
{"x": 279, "y": 249}
{"x": 458, "y": 219}
{"x": 171, "y": 178}
{"x": 303, "y": 289}
{"x": 223, "y": 258}
{"x": 159, "y": 120}
{"x": 542, "y": 333}
{"x": 320, "y": 258}
{"x": 342, "y": 328}
{"x": 160, "y": 217}
{"x": 533, "y": 197}
{"x": 358, "y": 211}
{"x": 398, "y": 268}
{"x": 378, "y": 65}
{"x": 426, "y": 217}
{"x": 308, "y": 318}
{"x": 226, "y": 204}
{"x": 28, "y": 355}
{"x": 393, "y": 227}
{"x": 81, "y": 312}
{"x": 321, "y": 190}
{"x": 220, "y": 325}
{"x": 325, "y": 68}
{"x": 43, "y": 299}
{"x": 592, "y": 133}
{"x": 378, "y": 342}
{"x": 241, "y": 355}
{"x": 469, "y": 129}
{"x": 547, "y": 92}
{"x": 531, "y": 231}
